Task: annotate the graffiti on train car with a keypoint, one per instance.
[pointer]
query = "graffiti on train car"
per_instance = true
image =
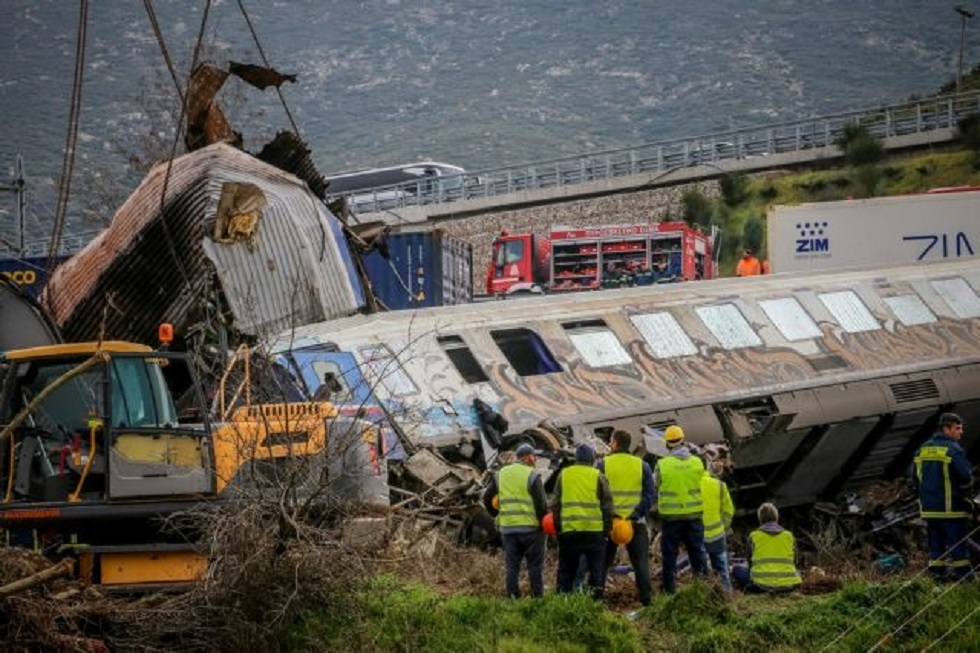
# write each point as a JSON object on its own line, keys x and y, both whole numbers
{"x": 582, "y": 389}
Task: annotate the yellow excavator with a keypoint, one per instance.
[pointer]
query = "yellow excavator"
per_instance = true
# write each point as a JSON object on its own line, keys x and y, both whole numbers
{"x": 97, "y": 451}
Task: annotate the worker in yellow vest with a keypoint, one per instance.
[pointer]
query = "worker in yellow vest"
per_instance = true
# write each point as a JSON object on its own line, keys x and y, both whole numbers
{"x": 772, "y": 557}
{"x": 631, "y": 483}
{"x": 583, "y": 514}
{"x": 717, "y": 518}
{"x": 521, "y": 504}
{"x": 677, "y": 483}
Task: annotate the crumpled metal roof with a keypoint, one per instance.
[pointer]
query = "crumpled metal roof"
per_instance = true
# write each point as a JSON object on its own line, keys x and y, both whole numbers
{"x": 286, "y": 265}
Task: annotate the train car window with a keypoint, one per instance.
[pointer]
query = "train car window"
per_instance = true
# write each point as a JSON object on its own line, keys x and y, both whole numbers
{"x": 910, "y": 310}
{"x": 386, "y": 371}
{"x": 959, "y": 296}
{"x": 463, "y": 359}
{"x": 596, "y": 343}
{"x": 525, "y": 351}
{"x": 790, "y": 318}
{"x": 849, "y": 311}
{"x": 664, "y": 335}
{"x": 729, "y": 326}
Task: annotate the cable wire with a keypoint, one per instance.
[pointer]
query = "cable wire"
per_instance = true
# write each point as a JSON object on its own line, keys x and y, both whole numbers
{"x": 888, "y": 637}
{"x": 173, "y": 150}
{"x": 265, "y": 60}
{"x": 887, "y": 599}
{"x": 71, "y": 138}
{"x": 959, "y": 623}
{"x": 155, "y": 24}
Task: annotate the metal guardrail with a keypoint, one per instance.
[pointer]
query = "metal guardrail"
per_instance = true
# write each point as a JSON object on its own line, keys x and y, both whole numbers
{"x": 660, "y": 157}
{"x": 911, "y": 117}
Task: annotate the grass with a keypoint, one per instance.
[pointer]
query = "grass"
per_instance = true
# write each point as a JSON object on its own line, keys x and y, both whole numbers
{"x": 401, "y": 616}
{"x": 408, "y": 616}
{"x": 897, "y": 616}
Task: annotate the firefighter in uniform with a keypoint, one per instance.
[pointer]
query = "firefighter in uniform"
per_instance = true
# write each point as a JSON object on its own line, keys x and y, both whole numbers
{"x": 944, "y": 478}
{"x": 522, "y": 504}
{"x": 772, "y": 556}
{"x": 631, "y": 484}
{"x": 583, "y": 513}
{"x": 677, "y": 480}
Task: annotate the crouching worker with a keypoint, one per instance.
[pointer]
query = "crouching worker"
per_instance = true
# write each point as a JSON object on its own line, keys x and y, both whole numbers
{"x": 772, "y": 557}
{"x": 519, "y": 493}
{"x": 583, "y": 511}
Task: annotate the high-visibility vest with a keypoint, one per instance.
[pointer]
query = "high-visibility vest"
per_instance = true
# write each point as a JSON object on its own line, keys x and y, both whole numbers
{"x": 748, "y": 267}
{"x": 516, "y": 504}
{"x": 717, "y": 506}
{"x": 936, "y": 494}
{"x": 580, "y": 507}
{"x": 625, "y": 474}
{"x": 773, "y": 567}
{"x": 679, "y": 494}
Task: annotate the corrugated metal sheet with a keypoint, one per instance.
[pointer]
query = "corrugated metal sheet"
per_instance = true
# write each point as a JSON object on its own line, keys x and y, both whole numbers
{"x": 147, "y": 268}
{"x": 426, "y": 269}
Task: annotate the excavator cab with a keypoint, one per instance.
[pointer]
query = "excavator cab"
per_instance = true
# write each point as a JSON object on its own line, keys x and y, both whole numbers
{"x": 96, "y": 423}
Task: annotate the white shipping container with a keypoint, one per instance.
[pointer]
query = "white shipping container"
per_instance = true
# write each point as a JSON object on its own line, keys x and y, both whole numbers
{"x": 879, "y": 231}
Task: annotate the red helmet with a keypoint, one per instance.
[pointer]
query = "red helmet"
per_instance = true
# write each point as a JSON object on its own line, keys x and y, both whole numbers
{"x": 548, "y": 525}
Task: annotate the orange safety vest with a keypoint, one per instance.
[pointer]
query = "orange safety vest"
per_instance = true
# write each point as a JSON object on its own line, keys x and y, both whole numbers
{"x": 748, "y": 266}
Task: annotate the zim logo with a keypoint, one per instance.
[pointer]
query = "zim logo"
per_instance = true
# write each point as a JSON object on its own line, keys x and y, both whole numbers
{"x": 813, "y": 238}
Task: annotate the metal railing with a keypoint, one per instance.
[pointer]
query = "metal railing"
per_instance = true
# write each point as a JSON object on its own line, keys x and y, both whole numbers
{"x": 911, "y": 117}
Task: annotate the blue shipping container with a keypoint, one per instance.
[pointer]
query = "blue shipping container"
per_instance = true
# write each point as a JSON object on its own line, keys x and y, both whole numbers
{"x": 28, "y": 273}
{"x": 427, "y": 268}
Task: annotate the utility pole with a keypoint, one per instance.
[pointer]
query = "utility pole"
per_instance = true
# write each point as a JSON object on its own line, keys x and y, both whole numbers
{"x": 17, "y": 186}
{"x": 965, "y": 15}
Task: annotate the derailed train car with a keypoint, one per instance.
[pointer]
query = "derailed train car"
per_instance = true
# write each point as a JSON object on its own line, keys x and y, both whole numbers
{"x": 816, "y": 383}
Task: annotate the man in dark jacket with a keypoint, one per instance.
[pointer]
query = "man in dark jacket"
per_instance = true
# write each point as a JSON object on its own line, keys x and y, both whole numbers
{"x": 583, "y": 512}
{"x": 944, "y": 478}
{"x": 522, "y": 504}
{"x": 631, "y": 483}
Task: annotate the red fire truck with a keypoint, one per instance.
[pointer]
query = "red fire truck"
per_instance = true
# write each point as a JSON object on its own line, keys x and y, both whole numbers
{"x": 599, "y": 257}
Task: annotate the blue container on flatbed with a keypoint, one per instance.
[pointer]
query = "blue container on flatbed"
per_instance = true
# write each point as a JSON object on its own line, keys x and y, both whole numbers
{"x": 28, "y": 273}
{"x": 427, "y": 268}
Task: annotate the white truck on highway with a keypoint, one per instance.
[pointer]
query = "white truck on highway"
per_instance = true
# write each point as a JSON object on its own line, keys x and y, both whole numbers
{"x": 941, "y": 224}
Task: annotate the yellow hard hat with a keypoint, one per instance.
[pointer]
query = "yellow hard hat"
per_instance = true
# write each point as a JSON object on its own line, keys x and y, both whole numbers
{"x": 622, "y": 531}
{"x": 674, "y": 434}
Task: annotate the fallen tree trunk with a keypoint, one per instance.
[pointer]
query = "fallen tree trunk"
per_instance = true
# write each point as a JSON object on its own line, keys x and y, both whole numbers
{"x": 63, "y": 568}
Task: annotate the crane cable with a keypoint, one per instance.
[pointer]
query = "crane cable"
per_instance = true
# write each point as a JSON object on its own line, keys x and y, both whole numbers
{"x": 265, "y": 60}
{"x": 180, "y": 121}
{"x": 71, "y": 139}
{"x": 891, "y": 596}
{"x": 155, "y": 24}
